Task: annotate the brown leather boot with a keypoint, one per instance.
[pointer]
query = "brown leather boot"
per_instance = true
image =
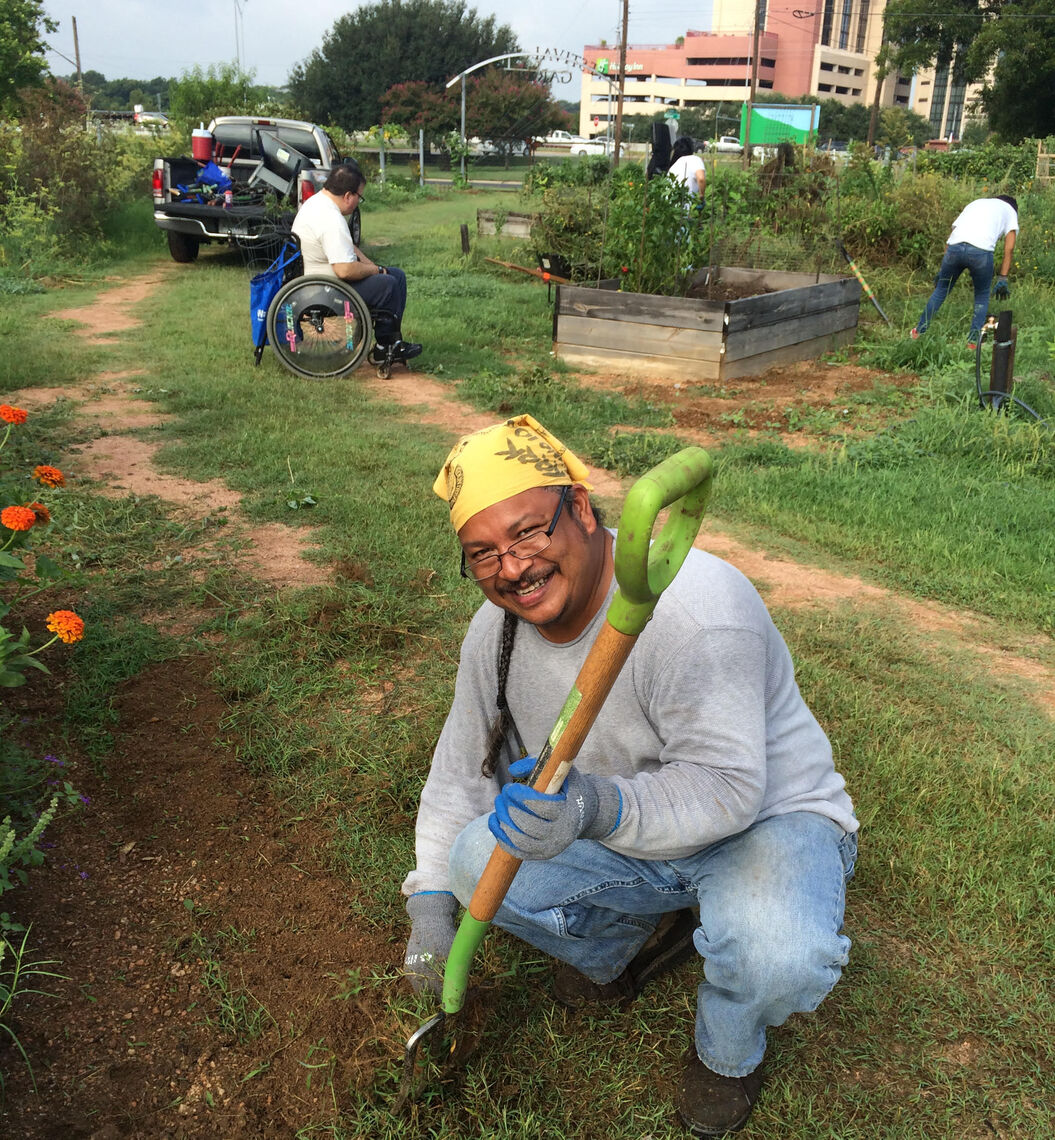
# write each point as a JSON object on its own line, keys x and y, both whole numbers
{"x": 712, "y": 1105}
{"x": 669, "y": 946}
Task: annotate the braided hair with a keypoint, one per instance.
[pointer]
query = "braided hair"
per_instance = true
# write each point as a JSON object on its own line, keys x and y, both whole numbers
{"x": 503, "y": 722}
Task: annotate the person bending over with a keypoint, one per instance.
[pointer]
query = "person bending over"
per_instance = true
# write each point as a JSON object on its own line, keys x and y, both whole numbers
{"x": 703, "y": 816}
{"x": 326, "y": 244}
{"x": 977, "y": 229}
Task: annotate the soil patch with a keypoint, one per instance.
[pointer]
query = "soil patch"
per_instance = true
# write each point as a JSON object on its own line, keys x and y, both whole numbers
{"x": 206, "y": 943}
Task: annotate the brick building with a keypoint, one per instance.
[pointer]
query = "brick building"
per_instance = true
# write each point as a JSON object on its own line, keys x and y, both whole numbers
{"x": 828, "y": 52}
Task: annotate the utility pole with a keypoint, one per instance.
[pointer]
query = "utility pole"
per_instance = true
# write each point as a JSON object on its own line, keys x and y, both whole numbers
{"x": 754, "y": 84}
{"x": 77, "y": 56}
{"x": 880, "y": 66}
{"x": 622, "y": 82}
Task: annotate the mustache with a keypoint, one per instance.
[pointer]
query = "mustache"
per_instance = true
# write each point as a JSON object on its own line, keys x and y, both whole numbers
{"x": 525, "y": 580}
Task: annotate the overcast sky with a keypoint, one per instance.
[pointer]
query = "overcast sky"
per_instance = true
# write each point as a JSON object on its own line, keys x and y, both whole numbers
{"x": 141, "y": 39}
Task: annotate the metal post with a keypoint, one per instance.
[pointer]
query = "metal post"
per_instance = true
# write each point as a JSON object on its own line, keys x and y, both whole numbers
{"x": 381, "y": 154}
{"x": 463, "y": 126}
{"x": 421, "y": 158}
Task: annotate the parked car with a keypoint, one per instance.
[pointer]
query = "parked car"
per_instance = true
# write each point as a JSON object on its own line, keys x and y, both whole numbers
{"x": 727, "y": 144}
{"x": 273, "y": 165}
{"x": 155, "y": 120}
{"x": 499, "y": 146}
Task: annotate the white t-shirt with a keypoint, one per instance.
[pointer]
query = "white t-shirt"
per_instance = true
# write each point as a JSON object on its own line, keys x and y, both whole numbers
{"x": 325, "y": 239}
{"x": 983, "y": 222}
{"x": 684, "y": 169}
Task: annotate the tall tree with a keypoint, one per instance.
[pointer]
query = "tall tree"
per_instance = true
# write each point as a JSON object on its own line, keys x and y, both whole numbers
{"x": 508, "y": 108}
{"x": 1008, "y": 43}
{"x": 221, "y": 89}
{"x": 23, "y": 26}
{"x": 419, "y": 106}
{"x": 378, "y": 45}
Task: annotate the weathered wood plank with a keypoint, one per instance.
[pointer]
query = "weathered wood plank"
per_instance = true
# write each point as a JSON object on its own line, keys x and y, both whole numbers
{"x": 804, "y": 350}
{"x": 774, "y": 278}
{"x": 641, "y": 308}
{"x": 770, "y": 308}
{"x": 752, "y": 341}
{"x": 678, "y": 368}
{"x": 655, "y": 340}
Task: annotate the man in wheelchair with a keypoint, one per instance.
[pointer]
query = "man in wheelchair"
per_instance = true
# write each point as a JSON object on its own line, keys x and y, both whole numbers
{"x": 326, "y": 245}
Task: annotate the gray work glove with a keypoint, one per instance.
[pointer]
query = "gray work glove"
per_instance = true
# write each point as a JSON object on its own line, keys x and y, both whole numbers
{"x": 432, "y": 931}
{"x": 533, "y": 825}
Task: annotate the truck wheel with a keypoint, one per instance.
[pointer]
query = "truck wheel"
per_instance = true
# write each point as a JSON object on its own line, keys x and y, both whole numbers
{"x": 183, "y": 247}
{"x": 356, "y": 226}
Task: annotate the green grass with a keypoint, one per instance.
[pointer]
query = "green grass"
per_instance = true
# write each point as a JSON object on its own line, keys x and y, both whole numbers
{"x": 942, "y": 1026}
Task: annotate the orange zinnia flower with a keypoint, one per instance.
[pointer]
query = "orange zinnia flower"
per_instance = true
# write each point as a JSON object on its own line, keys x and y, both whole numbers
{"x": 66, "y": 625}
{"x": 41, "y": 511}
{"x": 17, "y": 518}
{"x": 12, "y": 415}
{"x": 49, "y": 476}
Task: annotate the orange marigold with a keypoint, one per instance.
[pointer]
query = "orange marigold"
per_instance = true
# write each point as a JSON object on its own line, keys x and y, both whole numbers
{"x": 17, "y": 518}
{"x": 12, "y": 415}
{"x": 49, "y": 476}
{"x": 67, "y": 625}
{"x": 41, "y": 511}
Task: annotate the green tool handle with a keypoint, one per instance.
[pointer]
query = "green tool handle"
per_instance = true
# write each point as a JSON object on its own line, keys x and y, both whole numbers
{"x": 643, "y": 570}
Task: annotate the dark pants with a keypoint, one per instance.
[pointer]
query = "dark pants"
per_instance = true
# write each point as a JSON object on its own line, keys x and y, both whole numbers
{"x": 979, "y": 264}
{"x": 385, "y": 291}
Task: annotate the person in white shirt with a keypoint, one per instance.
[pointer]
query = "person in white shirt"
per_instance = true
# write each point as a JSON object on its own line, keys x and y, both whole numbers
{"x": 977, "y": 229}
{"x": 687, "y": 168}
{"x": 326, "y": 245}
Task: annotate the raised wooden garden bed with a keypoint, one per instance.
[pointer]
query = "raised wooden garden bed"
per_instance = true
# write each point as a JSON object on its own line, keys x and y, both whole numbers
{"x": 803, "y": 315}
{"x": 506, "y": 224}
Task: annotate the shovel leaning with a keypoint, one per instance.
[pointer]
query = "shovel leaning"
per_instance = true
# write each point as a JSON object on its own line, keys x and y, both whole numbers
{"x": 643, "y": 570}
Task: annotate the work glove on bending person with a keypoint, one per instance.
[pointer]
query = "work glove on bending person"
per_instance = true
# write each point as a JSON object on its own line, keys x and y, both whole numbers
{"x": 533, "y": 825}
{"x": 1001, "y": 290}
{"x": 432, "y": 931}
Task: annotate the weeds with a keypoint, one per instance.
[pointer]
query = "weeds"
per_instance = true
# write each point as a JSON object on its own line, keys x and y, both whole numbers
{"x": 19, "y": 972}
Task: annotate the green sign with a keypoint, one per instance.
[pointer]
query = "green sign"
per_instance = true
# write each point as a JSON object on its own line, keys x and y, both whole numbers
{"x": 777, "y": 123}
{"x": 602, "y": 66}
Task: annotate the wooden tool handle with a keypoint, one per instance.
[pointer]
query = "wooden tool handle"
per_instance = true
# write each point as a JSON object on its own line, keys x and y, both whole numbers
{"x": 592, "y": 686}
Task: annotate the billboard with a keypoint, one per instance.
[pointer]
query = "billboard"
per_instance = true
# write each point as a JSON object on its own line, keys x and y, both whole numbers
{"x": 773, "y": 123}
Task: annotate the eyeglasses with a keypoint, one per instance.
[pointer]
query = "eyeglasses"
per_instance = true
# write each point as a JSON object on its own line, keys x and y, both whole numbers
{"x": 487, "y": 565}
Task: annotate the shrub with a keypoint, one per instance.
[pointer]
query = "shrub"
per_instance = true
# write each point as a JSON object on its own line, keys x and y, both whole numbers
{"x": 1000, "y": 168}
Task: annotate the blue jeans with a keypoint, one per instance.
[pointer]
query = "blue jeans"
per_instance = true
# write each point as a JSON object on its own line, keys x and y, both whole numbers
{"x": 387, "y": 291}
{"x": 977, "y": 262}
{"x": 771, "y": 912}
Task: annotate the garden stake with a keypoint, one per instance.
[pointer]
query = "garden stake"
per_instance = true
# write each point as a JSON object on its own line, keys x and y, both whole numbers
{"x": 864, "y": 284}
{"x": 643, "y": 570}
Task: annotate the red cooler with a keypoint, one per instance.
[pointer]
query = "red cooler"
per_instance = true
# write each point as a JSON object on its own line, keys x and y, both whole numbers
{"x": 201, "y": 144}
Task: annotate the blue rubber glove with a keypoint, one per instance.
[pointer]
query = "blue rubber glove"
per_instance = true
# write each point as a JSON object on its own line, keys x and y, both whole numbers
{"x": 1001, "y": 290}
{"x": 533, "y": 825}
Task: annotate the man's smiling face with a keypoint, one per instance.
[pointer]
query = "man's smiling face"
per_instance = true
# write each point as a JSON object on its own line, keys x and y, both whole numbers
{"x": 558, "y": 590}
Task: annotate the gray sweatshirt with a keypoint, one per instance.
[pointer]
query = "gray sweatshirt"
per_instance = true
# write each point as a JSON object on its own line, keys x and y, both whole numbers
{"x": 704, "y": 732}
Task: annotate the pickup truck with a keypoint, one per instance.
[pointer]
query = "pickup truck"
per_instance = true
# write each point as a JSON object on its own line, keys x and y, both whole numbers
{"x": 575, "y": 144}
{"x": 727, "y": 144}
{"x": 273, "y": 165}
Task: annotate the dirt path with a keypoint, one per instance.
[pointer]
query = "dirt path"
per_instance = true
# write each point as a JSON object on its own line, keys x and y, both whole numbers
{"x": 211, "y": 961}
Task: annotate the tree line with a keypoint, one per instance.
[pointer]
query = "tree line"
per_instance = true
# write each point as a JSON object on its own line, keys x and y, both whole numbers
{"x": 416, "y": 46}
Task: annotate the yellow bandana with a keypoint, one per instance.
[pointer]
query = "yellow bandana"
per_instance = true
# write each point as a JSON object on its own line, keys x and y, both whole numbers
{"x": 501, "y": 461}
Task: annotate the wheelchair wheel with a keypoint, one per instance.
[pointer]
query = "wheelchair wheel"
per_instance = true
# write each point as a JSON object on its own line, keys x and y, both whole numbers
{"x": 319, "y": 327}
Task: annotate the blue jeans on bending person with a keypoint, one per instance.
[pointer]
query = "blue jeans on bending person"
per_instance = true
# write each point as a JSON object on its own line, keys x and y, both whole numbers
{"x": 977, "y": 262}
{"x": 771, "y": 905}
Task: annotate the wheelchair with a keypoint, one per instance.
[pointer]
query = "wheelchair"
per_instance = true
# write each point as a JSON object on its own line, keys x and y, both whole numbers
{"x": 320, "y": 328}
